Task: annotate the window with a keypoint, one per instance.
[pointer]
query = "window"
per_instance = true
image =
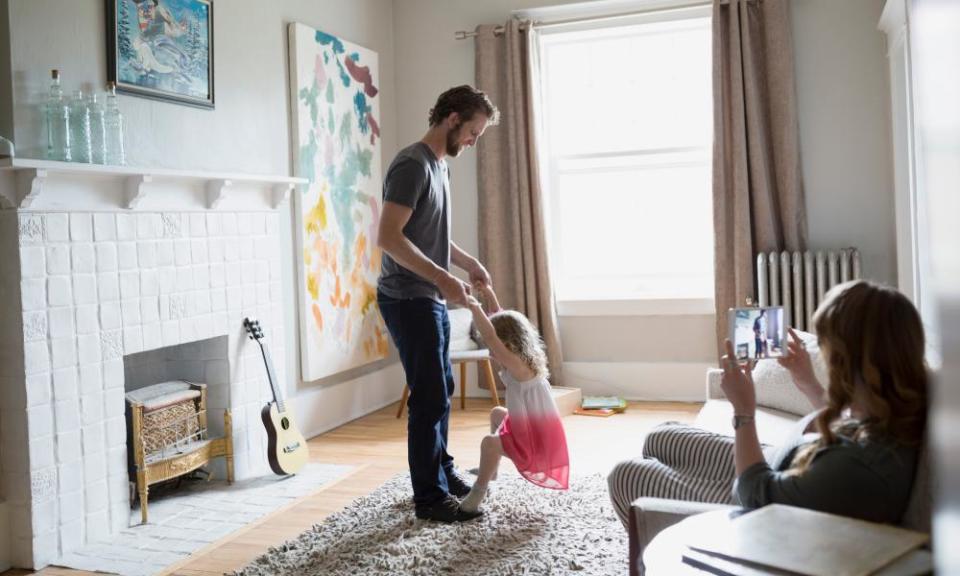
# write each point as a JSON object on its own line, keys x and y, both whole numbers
{"x": 628, "y": 126}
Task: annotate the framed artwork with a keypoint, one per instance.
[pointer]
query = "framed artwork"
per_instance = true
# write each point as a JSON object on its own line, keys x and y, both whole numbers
{"x": 336, "y": 142}
{"x": 162, "y": 49}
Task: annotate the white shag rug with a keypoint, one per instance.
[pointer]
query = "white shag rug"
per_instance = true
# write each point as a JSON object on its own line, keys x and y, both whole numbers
{"x": 525, "y": 530}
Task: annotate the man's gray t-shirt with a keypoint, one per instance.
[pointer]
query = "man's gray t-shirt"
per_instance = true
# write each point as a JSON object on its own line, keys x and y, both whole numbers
{"x": 418, "y": 180}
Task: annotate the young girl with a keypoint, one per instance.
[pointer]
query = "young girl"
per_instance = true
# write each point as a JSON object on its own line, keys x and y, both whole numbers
{"x": 529, "y": 430}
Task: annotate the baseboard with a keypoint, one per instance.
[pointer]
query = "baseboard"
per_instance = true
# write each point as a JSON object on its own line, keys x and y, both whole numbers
{"x": 651, "y": 381}
{"x": 4, "y": 538}
{"x": 325, "y": 408}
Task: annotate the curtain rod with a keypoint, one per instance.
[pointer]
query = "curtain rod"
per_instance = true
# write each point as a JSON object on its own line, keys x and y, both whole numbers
{"x": 463, "y": 34}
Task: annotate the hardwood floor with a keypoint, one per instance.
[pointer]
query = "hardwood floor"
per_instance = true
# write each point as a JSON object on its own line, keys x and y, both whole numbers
{"x": 377, "y": 445}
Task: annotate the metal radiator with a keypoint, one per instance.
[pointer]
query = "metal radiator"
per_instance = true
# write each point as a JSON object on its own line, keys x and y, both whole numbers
{"x": 798, "y": 280}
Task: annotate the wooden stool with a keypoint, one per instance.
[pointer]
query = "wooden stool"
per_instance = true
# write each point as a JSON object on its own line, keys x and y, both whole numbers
{"x": 462, "y": 357}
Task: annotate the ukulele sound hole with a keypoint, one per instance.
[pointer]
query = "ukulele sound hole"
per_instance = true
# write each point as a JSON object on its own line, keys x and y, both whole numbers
{"x": 284, "y": 423}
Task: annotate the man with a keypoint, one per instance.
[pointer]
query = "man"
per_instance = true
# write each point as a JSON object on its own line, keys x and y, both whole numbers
{"x": 415, "y": 286}
{"x": 760, "y": 335}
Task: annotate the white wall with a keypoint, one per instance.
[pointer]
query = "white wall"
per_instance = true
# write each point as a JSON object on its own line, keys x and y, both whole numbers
{"x": 935, "y": 45}
{"x": 844, "y": 131}
{"x": 247, "y": 132}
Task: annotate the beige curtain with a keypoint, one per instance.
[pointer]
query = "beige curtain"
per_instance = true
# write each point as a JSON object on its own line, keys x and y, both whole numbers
{"x": 511, "y": 204}
{"x": 758, "y": 200}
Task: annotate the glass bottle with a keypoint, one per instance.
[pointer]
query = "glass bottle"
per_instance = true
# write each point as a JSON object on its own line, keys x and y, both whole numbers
{"x": 98, "y": 138}
{"x": 113, "y": 127}
{"x": 57, "y": 120}
{"x": 79, "y": 128}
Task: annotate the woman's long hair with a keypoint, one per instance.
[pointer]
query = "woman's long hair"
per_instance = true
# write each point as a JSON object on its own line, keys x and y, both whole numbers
{"x": 520, "y": 337}
{"x": 873, "y": 342}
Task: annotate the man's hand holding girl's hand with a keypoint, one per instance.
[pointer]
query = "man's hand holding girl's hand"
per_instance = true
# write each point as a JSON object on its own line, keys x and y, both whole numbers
{"x": 479, "y": 274}
{"x": 485, "y": 291}
{"x": 454, "y": 290}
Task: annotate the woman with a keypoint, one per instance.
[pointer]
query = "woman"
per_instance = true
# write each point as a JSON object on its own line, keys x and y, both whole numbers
{"x": 856, "y": 455}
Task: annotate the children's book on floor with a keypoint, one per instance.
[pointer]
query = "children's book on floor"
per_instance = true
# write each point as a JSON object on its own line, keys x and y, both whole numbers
{"x": 602, "y": 412}
{"x": 604, "y": 403}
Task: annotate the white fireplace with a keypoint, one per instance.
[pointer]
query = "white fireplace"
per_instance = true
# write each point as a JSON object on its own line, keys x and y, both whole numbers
{"x": 98, "y": 263}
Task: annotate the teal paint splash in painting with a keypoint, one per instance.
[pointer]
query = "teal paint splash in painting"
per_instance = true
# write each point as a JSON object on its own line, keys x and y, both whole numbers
{"x": 344, "y": 77}
{"x": 355, "y": 56}
{"x": 328, "y": 40}
{"x": 345, "y": 132}
{"x": 363, "y": 159}
{"x": 360, "y": 104}
{"x": 309, "y": 97}
{"x": 308, "y": 154}
{"x": 344, "y": 197}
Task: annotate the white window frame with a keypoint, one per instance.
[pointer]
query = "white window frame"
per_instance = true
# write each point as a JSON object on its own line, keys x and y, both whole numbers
{"x": 661, "y": 11}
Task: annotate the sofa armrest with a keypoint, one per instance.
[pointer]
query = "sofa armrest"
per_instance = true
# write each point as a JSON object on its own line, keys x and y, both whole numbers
{"x": 649, "y": 516}
{"x": 714, "y": 392}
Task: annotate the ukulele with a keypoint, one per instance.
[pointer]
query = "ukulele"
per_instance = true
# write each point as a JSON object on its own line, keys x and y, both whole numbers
{"x": 286, "y": 447}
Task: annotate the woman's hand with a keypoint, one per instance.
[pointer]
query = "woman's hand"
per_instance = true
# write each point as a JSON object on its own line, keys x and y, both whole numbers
{"x": 797, "y": 359}
{"x": 798, "y": 363}
{"x": 737, "y": 383}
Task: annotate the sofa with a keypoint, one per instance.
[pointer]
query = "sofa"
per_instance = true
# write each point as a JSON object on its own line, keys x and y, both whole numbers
{"x": 779, "y": 406}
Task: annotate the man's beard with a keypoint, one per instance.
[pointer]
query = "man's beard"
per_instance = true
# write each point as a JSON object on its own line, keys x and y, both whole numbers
{"x": 453, "y": 149}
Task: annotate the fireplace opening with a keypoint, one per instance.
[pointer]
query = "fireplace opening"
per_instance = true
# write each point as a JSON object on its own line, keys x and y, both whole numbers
{"x": 177, "y": 419}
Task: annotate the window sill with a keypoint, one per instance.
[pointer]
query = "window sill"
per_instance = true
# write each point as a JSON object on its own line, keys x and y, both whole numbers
{"x": 637, "y": 307}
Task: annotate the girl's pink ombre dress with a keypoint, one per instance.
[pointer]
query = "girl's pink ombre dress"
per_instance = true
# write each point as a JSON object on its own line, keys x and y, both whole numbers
{"x": 532, "y": 433}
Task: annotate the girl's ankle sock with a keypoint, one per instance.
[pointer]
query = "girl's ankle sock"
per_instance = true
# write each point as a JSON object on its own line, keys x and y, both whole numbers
{"x": 472, "y": 501}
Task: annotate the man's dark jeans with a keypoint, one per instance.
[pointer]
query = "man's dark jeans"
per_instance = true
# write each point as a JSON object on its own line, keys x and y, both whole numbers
{"x": 420, "y": 329}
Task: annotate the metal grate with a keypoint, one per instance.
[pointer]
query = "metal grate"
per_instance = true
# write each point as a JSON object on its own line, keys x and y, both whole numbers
{"x": 172, "y": 431}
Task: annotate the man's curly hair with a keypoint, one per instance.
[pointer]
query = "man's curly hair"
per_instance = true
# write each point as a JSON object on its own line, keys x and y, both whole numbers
{"x": 466, "y": 101}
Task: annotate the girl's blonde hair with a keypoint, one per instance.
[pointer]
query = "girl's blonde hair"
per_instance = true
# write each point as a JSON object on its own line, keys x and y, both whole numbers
{"x": 520, "y": 336}
{"x": 873, "y": 342}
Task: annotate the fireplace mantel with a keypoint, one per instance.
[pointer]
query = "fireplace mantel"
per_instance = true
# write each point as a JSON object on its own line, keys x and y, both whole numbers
{"x": 27, "y": 184}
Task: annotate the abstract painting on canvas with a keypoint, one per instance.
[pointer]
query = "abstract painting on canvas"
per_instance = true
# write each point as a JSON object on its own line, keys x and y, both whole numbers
{"x": 336, "y": 141}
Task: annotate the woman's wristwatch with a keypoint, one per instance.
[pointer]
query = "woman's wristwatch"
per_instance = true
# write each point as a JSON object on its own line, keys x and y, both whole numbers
{"x": 741, "y": 419}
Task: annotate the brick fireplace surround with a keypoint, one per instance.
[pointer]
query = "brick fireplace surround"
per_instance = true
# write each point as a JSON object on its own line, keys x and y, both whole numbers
{"x": 97, "y": 263}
